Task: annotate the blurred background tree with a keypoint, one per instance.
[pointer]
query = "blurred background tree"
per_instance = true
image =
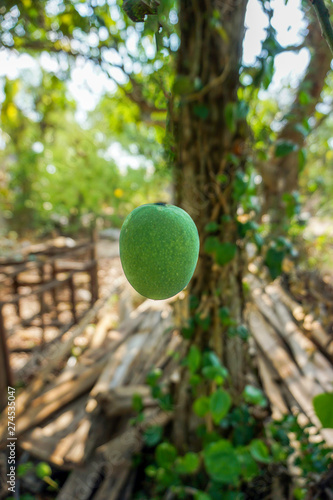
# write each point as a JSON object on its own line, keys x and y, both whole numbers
{"x": 47, "y": 145}
{"x": 130, "y": 118}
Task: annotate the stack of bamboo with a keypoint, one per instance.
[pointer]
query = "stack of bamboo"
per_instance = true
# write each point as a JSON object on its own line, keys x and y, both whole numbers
{"x": 294, "y": 355}
{"x": 68, "y": 413}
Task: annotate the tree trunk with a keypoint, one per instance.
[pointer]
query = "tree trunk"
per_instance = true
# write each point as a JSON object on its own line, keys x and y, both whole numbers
{"x": 209, "y": 152}
{"x": 280, "y": 175}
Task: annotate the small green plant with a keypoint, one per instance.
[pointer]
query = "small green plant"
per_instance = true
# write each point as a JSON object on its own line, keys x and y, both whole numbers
{"x": 41, "y": 470}
{"x": 233, "y": 449}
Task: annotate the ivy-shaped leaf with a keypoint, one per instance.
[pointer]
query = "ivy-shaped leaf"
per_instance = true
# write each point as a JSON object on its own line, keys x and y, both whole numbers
{"x": 201, "y": 406}
{"x": 323, "y": 406}
{"x": 188, "y": 464}
{"x": 284, "y": 148}
{"x": 221, "y": 462}
{"x": 165, "y": 454}
{"x": 225, "y": 253}
{"x": 259, "y": 451}
{"x": 193, "y": 359}
{"x": 219, "y": 405}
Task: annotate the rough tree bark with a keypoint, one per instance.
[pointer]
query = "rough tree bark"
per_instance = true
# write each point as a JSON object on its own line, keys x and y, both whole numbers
{"x": 210, "y": 53}
{"x": 280, "y": 175}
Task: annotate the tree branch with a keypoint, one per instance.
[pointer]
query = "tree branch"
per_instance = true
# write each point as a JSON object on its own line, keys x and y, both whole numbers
{"x": 286, "y": 168}
{"x": 135, "y": 95}
{"x": 324, "y": 20}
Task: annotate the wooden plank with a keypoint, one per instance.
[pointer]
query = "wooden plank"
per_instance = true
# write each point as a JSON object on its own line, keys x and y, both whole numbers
{"x": 316, "y": 331}
{"x": 72, "y": 296}
{"x": 57, "y": 397}
{"x": 311, "y": 362}
{"x": 94, "y": 429}
{"x": 118, "y": 364}
{"x": 43, "y": 441}
{"x": 119, "y": 401}
{"x": 6, "y": 377}
{"x": 101, "y": 330}
{"x": 309, "y": 359}
{"x": 301, "y": 387}
{"x": 272, "y": 388}
{"x": 52, "y": 360}
{"x": 110, "y": 462}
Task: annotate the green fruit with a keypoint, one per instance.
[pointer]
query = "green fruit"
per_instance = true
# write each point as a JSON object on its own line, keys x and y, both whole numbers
{"x": 159, "y": 248}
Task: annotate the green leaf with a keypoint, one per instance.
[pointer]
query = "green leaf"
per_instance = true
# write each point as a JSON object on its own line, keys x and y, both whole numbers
{"x": 194, "y": 302}
{"x": 201, "y": 111}
{"x": 165, "y": 402}
{"x": 183, "y": 85}
{"x": 224, "y": 315}
{"x": 254, "y": 396}
{"x": 211, "y": 227}
{"x": 153, "y": 376}
{"x": 203, "y": 322}
{"x": 211, "y": 244}
{"x": 151, "y": 471}
{"x": 188, "y": 331}
{"x": 323, "y": 406}
{"x": 273, "y": 261}
{"x": 201, "y": 495}
{"x": 219, "y": 405}
{"x": 259, "y": 451}
{"x": 201, "y": 406}
{"x": 165, "y": 454}
{"x": 243, "y": 228}
{"x": 240, "y": 185}
{"x": 301, "y": 129}
{"x": 242, "y": 332}
{"x": 210, "y": 359}
{"x": 258, "y": 240}
{"x": 188, "y": 464}
{"x": 221, "y": 462}
{"x": 230, "y": 116}
{"x": 225, "y": 253}
{"x": 43, "y": 470}
{"x": 193, "y": 359}
{"x": 249, "y": 466}
{"x": 166, "y": 477}
{"x": 137, "y": 403}
{"x": 242, "y": 110}
{"x": 304, "y": 98}
{"x": 22, "y": 469}
{"x": 299, "y": 493}
{"x": 284, "y": 148}
{"x": 195, "y": 380}
{"x": 153, "y": 435}
{"x": 216, "y": 373}
{"x": 301, "y": 159}
{"x": 222, "y": 178}
{"x": 268, "y": 66}
{"x": 233, "y": 495}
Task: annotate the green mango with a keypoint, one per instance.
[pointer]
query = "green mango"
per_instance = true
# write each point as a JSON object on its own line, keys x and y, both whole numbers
{"x": 159, "y": 249}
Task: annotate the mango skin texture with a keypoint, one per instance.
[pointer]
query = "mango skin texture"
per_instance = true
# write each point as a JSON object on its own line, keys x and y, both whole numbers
{"x": 159, "y": 249}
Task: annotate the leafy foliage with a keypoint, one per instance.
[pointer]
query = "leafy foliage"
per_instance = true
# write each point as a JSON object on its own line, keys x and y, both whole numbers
{"x": 323, "y": 404}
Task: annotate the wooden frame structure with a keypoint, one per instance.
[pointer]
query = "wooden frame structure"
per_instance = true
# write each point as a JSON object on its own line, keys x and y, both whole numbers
{"x": 56, "y": 261}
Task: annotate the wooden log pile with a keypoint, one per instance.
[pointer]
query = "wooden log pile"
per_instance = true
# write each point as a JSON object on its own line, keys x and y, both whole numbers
{"x": 69, "y": 414}
{"x": 79, "y": 417}
{"x": 292, "y": 367}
